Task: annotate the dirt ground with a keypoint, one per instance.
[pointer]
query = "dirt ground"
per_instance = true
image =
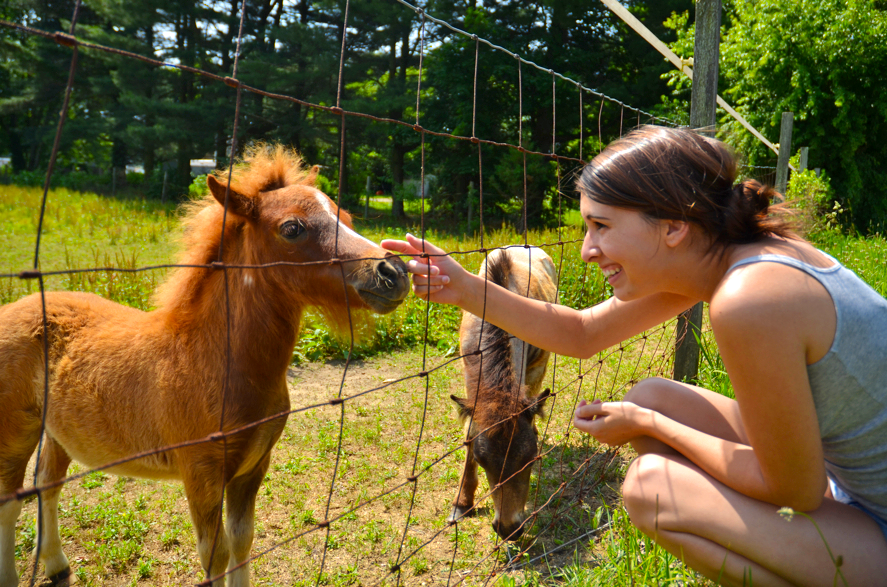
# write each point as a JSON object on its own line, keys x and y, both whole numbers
{"x": 119, "y": 531}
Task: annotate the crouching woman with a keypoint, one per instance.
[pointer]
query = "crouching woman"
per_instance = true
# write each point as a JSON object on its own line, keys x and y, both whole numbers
{"x": 802, "y": 338}
{"x": 804, "y": 342}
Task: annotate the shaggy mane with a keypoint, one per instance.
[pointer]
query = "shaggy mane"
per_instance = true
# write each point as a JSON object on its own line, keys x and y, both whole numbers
{"x": 265, "y": 167}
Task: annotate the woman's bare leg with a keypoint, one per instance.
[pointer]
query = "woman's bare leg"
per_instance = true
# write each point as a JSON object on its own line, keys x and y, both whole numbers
{"x": 702, "y": 409}
{"x": 726, "y": 535}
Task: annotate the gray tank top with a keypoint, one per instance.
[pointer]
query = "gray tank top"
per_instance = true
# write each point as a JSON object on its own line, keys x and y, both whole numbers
{"x": 849, "y": 384}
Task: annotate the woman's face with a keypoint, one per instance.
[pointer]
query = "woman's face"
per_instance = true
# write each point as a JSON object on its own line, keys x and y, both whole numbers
{"x": 625, "y": 245}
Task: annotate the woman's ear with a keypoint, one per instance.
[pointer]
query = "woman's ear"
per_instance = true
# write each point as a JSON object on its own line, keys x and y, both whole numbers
{"x": 676, "y": 232}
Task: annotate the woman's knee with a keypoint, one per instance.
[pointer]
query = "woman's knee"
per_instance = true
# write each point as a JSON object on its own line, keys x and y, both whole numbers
{"x": 644, "y": 490}
{"x": 647, "y": 393}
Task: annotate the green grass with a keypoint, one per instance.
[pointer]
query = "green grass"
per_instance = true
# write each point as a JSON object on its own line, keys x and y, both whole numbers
{"x": 121, "y": 532}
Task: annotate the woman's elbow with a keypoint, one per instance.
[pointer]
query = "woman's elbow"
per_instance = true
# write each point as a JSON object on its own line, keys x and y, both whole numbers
{"x": 803, "y": 503}
{"x": 804, "y": 499}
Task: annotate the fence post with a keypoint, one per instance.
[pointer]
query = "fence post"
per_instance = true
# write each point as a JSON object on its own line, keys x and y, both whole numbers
{"x": 805, "y": 151}
{"x": 163, "y": 192}
{"x": 785, "y": 152}
{"x": 703, "y": 117}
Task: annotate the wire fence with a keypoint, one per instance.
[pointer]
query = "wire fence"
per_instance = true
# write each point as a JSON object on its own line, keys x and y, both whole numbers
{"x": 569, "y": 470}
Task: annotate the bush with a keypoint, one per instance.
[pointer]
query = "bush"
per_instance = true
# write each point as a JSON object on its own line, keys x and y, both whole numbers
{"x": 813, "y": 199}
{"x": 198, "y": 187}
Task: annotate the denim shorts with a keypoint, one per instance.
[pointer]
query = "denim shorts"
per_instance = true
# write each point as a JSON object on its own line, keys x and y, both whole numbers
{"x": 841, "y": 496}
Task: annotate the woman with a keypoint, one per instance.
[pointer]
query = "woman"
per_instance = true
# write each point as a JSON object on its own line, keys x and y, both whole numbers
{"x": 802, "y": 338}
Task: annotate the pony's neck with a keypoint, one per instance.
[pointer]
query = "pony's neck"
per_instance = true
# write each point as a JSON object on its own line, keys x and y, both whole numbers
{"x": 261, "y": 323}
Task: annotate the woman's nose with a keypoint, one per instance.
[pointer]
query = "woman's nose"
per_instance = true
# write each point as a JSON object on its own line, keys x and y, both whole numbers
{"x": 590, "y": 250}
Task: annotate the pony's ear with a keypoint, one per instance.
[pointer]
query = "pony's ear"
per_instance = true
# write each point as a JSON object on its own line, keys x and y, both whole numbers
{"x": 312, "y": 175}
{"x": 237, "y": 203}
{"x": 465, "y": 411}
{"x": 538, "y": 403}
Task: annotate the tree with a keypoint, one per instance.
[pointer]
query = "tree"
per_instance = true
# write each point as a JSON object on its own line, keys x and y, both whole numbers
{"x": 826, "y": 61}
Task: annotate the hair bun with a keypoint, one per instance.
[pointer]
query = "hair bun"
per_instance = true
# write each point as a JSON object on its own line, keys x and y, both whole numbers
{"x": 746, "y": 214}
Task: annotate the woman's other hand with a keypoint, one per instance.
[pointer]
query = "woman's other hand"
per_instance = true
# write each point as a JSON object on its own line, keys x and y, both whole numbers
{"x": 612, "y": 423}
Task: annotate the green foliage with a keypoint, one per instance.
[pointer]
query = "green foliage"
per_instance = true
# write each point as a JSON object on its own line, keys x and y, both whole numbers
{"x": 824, "y": 60}
{"x": 124, "y": 110}
{"x": 814, "y": 200}
{"x": 198, "y": 187}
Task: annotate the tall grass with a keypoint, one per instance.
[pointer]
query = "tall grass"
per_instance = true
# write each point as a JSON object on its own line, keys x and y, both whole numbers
{"x": 84, "y": 230}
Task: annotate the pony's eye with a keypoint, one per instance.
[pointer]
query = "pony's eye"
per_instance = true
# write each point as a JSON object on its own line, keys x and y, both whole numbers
{"x": 291, "y": 230}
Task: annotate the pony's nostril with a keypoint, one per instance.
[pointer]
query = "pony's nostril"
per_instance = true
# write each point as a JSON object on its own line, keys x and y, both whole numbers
{"x": 388, "y": 273}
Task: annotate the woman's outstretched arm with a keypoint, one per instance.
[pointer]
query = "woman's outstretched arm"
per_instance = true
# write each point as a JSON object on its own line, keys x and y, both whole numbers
{"x": 437, "y": 277}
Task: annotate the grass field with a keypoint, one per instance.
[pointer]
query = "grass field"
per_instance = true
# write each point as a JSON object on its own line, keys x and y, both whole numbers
{"x": 120, "y": 531}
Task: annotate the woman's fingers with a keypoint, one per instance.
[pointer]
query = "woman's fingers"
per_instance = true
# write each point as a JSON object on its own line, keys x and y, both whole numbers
{"x": 586, "y": 411}
{"x": 431, "y": 267}
{"x": 401, "y": 247}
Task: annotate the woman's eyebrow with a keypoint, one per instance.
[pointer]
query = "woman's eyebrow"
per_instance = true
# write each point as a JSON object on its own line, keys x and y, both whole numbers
{"x": 593, "y": 217}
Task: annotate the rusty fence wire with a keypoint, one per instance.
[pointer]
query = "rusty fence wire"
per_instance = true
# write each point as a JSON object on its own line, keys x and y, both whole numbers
{"x": 645, "y": 355}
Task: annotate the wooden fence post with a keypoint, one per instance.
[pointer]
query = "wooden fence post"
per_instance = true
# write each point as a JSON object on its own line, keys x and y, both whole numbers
{"x": 785, "y": 152}
{"x": 703, "y": 117}
{"x": 805, "y": 151}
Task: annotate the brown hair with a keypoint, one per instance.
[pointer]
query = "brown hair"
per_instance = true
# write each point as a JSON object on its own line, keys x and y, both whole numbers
{"x": 678, "y": 174}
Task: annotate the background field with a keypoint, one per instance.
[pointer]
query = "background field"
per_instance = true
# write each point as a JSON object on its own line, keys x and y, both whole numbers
{"x": 120, "y": 531}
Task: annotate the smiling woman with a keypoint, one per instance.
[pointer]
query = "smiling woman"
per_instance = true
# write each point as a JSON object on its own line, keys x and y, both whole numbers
{"x": 801, "y": 338}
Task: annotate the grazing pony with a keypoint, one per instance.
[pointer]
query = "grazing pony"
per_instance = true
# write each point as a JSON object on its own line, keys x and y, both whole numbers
{"x": 123, "y": 381}
{"x": 503, "y": 386}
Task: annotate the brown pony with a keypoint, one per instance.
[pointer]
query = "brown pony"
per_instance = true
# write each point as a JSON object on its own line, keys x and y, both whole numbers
{"x": 503, "y": 386}
{"x": 123, "y": 381}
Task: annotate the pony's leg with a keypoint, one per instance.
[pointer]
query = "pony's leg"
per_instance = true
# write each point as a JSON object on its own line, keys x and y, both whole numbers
{"x": 240, "y": 500}
{"x": 18, "y": 438}
{"x": 53, "y": 466}
{"x": 204, "y": 501}
{"x": 467, "y": 486}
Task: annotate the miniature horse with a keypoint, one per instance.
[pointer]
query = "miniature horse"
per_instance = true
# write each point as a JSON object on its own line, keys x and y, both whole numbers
{"x": 123, "y": 381}
{"x": 503, "y": 393}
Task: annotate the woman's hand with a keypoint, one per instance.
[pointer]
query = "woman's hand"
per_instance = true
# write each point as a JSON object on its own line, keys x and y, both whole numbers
{"x": 436, "y": 277}
{"x": 612, "y": 423}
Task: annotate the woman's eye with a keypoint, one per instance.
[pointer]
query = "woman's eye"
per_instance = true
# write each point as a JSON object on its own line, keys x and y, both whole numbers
{"x": 291, "y": 230}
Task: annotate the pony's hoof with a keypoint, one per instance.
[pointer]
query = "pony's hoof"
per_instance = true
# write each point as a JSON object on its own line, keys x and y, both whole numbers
{"x": 63, "y": 578}
{"x": 459, "y": 513}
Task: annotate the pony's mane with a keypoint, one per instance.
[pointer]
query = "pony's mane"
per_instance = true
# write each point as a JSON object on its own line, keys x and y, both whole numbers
{"x": 263, "y": 167}
{"x": 497, "y": 375}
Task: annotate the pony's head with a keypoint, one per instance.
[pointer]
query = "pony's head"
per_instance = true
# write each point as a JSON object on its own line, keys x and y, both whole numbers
{"x": 276, "y": 215}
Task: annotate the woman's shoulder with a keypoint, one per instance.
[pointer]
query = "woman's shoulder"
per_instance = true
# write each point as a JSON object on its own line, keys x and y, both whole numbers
{"x": 776, "y": 299}
{"x": 777, "y": 248}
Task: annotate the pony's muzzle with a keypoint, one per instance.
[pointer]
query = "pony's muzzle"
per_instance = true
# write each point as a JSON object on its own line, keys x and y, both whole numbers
{"x": 511, "y": 530}
{"x": 392, "y": 273}
{"x": 389, "y": 285}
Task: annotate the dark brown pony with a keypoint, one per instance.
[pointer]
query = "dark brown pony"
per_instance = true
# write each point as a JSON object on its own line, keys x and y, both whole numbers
{"x": 503, "y": 393}
{"x": 123, "y": 381}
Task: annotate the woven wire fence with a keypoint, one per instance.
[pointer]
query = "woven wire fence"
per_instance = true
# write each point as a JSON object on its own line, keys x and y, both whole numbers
{"x": 571, "y": 473}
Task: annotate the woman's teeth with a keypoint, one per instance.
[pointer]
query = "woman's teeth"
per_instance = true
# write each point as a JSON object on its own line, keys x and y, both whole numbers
{"x": 611, "y": 271}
